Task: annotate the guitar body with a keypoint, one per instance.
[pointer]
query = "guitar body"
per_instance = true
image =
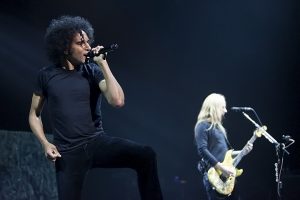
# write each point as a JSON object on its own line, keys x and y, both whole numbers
{"x": 222, "y": 185}
{"x": 225, "y": 186}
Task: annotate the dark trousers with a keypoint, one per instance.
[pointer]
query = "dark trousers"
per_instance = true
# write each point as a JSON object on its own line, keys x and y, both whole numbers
{"x": 213, "y": 195}
{"x": 107, "y": 152}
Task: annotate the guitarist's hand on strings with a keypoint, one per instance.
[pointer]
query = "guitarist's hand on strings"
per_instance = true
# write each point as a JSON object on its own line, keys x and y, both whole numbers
{"x": 226, "y": 171}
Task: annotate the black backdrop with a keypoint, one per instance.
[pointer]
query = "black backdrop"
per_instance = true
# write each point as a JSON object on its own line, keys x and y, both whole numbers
{"x": 172, "y": 54}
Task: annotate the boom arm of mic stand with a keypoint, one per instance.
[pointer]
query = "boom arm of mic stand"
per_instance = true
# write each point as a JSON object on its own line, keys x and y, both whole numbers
{"x": 265, "y": 133}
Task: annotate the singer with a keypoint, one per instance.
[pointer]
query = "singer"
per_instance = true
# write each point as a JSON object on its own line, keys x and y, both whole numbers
{"x": 212, "y": 142}
{"x": 73, "y": 90}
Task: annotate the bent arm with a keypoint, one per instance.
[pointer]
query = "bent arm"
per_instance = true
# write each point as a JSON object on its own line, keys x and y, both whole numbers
{"x": 201, "y": 138}
{"x": 110, "y": 87}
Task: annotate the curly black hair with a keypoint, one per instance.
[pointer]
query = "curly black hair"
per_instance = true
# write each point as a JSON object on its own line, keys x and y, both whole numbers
{"x": 60, "y": 33}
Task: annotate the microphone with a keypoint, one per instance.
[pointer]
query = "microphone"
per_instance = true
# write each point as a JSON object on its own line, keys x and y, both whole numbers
{"x": 287, "y": 138}
{"x": 104, "y": 50}
{"x": 241, "y": 108}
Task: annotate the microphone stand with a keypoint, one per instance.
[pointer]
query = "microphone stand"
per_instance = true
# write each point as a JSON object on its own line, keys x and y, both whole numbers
{"x": 264, "y": 132}
{"x": 280, "y": 150}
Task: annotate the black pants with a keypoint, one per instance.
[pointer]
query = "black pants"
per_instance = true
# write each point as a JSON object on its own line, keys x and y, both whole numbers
{"x": 107, "y": 152}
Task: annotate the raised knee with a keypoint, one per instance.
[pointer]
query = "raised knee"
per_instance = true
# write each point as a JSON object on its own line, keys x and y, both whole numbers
{"x": 149, "y": 153}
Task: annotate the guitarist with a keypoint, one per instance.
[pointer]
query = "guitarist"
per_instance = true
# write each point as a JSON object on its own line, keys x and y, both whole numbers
{"x": 212, "y": 142}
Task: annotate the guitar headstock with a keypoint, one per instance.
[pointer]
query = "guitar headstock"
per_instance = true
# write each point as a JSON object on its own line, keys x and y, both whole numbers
{"x": 259, "y": 131}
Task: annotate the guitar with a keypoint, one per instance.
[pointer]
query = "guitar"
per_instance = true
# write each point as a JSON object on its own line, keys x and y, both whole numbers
{"x": 225, "y": 186}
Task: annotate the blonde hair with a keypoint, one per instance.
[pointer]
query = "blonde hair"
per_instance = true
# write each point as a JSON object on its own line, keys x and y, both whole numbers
{"x": 211, "y": 111}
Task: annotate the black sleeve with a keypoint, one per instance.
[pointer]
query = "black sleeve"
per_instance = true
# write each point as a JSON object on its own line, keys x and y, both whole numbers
{"x": 97, "y": 73}
{"x": 202, "y": 140}
{"x": 39, "y": 88}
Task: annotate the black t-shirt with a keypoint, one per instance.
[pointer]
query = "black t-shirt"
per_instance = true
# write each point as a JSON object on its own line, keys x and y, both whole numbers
{"x": 73, "y": 99}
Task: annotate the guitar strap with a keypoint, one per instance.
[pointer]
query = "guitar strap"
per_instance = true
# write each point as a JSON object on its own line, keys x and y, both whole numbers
{"x": 203, "y": 166}
{"x": 228, "y": 143}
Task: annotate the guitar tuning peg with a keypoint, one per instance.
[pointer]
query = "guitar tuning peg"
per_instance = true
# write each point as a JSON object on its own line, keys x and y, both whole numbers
{"x": 264, "y": 127}
{"x": 259, "y": 131}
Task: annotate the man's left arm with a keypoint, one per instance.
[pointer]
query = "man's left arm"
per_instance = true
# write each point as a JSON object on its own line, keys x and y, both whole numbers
{"x": 247, "y": 149}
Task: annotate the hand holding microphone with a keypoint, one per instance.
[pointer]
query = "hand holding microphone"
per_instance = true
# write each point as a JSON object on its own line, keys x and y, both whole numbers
{"x": 94, "y": 52}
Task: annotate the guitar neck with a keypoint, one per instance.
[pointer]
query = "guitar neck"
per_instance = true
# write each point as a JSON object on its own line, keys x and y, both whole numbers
{"x": 239, "y": 157}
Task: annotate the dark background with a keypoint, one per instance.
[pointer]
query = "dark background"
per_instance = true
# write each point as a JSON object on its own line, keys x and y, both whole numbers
{"x": 172, "y": 54}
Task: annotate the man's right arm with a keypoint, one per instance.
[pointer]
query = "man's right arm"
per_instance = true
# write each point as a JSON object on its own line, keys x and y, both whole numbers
{"x": 201, "y": 136}
{"x": 36, "y": 126}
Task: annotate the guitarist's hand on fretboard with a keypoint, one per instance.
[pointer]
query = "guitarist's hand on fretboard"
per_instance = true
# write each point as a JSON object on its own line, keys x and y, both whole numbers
{"x": 248, "y": 147}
